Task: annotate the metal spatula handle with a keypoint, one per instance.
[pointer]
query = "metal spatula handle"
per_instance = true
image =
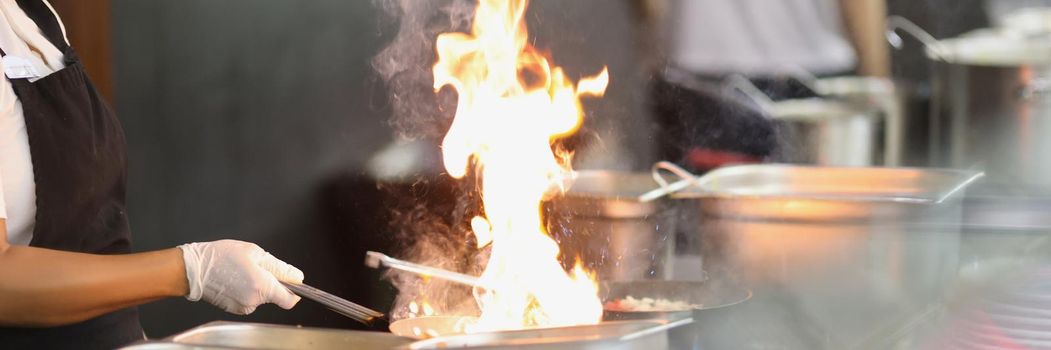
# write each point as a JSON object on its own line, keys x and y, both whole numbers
{"x": 376, "y": 259}
{"x": 339, "y": 305}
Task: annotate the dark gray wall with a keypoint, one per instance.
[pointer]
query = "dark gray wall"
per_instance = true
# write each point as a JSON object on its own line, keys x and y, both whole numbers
{"x": 236, "y": 113}
{"x": 242, "y": 114}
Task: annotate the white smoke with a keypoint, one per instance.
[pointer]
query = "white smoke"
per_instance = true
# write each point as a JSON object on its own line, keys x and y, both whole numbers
{"x": 405, "y": 65}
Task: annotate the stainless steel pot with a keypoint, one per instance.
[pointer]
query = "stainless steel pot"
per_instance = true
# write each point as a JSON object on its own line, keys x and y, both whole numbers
{"x": 855, "y": 254}
{"x": 991, "y": 102}
{"x": 822, "y": 131}
{"x": 601, "y": 220}
{"x": 238, "y": 335}
{"x": 902, "y": 108}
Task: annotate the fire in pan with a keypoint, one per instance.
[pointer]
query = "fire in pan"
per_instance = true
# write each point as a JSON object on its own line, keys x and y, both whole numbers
{"x": 649, "y": 313}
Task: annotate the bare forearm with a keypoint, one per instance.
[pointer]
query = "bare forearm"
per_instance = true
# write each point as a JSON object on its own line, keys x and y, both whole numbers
{"x": 42, "y": 287}
{"x": 864, "y": 20}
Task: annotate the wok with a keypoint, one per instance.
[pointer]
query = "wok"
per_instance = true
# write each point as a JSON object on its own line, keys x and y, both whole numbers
{"x": 713, "y": 302}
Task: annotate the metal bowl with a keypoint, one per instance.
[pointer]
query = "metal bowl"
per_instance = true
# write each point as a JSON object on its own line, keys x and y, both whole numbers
{"x": 714, "y": 300}
{"x": 706, "y": 296}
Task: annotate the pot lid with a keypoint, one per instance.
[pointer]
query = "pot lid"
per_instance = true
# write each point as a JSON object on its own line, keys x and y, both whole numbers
{"x": 994, "y": 47}
{"x": 1026, "y": 20}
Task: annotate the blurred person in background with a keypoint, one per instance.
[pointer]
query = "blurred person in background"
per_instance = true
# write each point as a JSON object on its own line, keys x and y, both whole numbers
{"x": 67, "y": 280}
{"x": 761, "y": 38}
{"x": 703, "y": 42}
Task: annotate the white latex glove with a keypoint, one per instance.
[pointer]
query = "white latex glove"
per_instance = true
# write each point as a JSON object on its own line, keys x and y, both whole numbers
{"x": 238, "y": 276}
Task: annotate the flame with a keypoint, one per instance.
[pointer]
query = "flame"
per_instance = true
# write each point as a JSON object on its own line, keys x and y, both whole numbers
{"x": 513, "y": 103}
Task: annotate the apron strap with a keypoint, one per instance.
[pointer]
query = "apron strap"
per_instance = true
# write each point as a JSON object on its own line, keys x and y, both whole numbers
{"x": 40, "y": 12}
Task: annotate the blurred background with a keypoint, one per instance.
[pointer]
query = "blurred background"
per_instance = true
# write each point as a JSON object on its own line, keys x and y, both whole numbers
{"x": 272, "y": 122}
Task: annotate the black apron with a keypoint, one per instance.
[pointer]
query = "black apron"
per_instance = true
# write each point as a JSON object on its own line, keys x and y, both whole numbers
{"x": 80, "y": 166}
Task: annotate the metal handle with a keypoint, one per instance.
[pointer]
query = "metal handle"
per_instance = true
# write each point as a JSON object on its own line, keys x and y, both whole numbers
{"x": 740, "y": 83}
{"x": 339, "y": 305}
{"x": 895, "y": 23}
{"x": 805, "y": 77}
{"x": 687, "y": 179}
{"x": 376, "y": 259}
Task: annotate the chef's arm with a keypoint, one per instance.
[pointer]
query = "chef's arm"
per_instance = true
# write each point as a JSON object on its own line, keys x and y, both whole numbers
{"x": 43, "y": 287}
{"x": 864, "y": 21}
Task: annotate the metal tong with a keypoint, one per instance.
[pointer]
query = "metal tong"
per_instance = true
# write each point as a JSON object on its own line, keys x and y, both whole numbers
{"x": 375, "y": 260}
{"x": 341, "y": 306}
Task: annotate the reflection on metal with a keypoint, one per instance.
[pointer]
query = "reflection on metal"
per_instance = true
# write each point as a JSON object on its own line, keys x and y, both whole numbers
{"x": 237, "y": 335}
{"x": 842, "y": 254}
{"x": 601, "y": 221}
{"x": 641, "y": 335}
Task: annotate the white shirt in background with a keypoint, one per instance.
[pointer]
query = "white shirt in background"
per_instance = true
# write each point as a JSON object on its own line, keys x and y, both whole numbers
{"x": 19, "y": 36}
{"x": 759, "y": 37}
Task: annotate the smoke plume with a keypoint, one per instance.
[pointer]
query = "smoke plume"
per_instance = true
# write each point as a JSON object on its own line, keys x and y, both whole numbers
{"x": 431, "y": 219}
{"x": 405, "y": 64}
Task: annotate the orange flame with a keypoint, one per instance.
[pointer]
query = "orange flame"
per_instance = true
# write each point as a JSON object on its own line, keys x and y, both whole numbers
{"x": 513, "y": 103}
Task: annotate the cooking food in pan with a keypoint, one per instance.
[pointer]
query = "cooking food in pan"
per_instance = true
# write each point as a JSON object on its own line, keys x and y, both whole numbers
{"x": 631, "y": 304}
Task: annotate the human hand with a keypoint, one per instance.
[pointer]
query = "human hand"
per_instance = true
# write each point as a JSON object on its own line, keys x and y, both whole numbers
{"x": 237, "y": 276}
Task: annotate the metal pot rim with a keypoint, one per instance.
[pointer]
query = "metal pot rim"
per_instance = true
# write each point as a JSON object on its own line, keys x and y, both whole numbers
{"x": 995, "y": 49}
{"x": 950, "y": 182}
{"x": 817, "y": 109}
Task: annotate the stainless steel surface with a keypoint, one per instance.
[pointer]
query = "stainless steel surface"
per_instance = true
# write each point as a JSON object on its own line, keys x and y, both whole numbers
{"x": 339, "y": 305}
{"x": 822, "y": 131}
{"x": 995, "y": 118}
{"x": 827, "y": 132}
{"x": 827, "y": 194}
{"x": 887, "y": 97}
{"x": 601, "y": 220}
{"x": 686, "y": 180}
{"x": 279, "y": 337}
{"x": 644, "y": 335}
{"x": 856, "y": 252}
{"x": 375, "y": 260}
{"x": 162, "y": 345}
{"x": 709, "y": 317}
{"x": 991, "y": 103}
{"x": 1033, "y": 20}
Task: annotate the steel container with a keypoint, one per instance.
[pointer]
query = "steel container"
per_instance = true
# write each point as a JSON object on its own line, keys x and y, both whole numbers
{"x": 990, "y": 102}
{"x": 821, "y": 131}
{"x": 237, "y": 335}
{"x": 903, "y": 108}
{"x": 601, "y": 221}
{"x": 162, "y": 345}
{"x": 995, "y": 118}
{"x": 852, "y": 253}
{"x": 827, "y": 132}
{"x": 617, "y": 335}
